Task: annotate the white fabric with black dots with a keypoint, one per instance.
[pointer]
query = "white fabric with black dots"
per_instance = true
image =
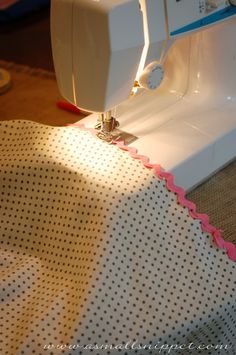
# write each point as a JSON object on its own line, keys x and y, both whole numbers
{"x": 96, "y": 250}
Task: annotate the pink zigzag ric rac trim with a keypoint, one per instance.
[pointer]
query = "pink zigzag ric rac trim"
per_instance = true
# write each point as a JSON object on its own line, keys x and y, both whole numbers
{"x": 182, "y": 200}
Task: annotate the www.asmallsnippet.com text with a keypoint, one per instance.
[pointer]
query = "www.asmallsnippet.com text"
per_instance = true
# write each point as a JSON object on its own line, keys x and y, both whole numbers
{"x": 135, "y": 345}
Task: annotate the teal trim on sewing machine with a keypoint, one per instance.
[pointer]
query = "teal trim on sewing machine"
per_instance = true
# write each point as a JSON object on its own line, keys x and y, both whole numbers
{"x": 208, "y": 20}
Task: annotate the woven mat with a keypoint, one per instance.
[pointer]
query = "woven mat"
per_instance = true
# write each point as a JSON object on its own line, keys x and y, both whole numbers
{"x": 217, "y": 198}
{"x": 33, "y": 97}
{"x": 34, "y": 94}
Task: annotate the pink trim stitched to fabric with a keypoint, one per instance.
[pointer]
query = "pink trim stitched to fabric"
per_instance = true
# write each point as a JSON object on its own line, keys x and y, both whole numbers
{"x": 182, "y": 200}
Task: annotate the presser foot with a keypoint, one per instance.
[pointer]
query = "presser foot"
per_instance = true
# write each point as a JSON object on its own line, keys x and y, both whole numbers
{"x": 110, "y": 137}
{"x": 106, "y": 125}
{"x": 108, "y": 132}
{"x": 106, "y": 137}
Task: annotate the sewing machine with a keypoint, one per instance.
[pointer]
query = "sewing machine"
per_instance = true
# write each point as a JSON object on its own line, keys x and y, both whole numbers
{"x": 164, "y": 69}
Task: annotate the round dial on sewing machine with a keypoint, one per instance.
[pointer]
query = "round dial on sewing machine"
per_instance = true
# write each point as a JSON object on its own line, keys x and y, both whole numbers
{"x": 152, "y": 76}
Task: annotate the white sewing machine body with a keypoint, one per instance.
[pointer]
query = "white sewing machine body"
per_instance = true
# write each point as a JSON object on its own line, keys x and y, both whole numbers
{"x": 188, "y": 124}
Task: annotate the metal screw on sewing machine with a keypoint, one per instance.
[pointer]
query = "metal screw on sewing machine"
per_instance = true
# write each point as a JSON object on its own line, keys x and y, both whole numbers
{"x": 98, "y": 124}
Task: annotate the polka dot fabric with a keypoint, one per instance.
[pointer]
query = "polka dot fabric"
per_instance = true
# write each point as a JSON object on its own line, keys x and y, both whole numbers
{"x": 96, "y": 250}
